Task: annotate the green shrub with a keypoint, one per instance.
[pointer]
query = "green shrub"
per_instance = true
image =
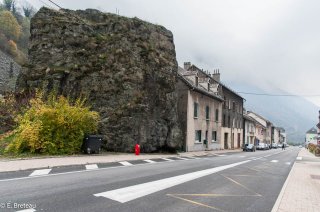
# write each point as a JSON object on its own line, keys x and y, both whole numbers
{"x": 54, "y": 126}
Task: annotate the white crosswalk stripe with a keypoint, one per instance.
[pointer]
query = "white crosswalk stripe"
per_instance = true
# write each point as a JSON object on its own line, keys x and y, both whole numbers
{"x": 40, "y": 172}
{"x": 126, "y": 163}
{"x": 27, "y": 210}
{"x": 149, "y": 161}
{"x": 299, "y": 158}
{"x": 288, "y": 163}
{"x": 167, "y": 159}
{"x": 92, "y": 166}
{"x": 274, "y": 161}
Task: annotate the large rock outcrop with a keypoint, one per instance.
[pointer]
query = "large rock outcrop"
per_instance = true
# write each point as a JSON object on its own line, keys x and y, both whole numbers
{"x": 9, "y": 71}
{"x": 126, "y": 67}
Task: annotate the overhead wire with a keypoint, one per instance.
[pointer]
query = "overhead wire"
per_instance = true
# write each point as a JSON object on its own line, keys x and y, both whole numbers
{"x": 268, "y": 94}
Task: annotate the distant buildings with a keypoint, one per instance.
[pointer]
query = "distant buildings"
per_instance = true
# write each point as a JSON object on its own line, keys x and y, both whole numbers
{"x": 311, "y": 136}
{"x": 212, "y": 115}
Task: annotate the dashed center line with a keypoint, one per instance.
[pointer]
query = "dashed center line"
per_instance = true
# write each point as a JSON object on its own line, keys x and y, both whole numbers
{"x": 40, "y": 172}
{"x": 126, "y": 163}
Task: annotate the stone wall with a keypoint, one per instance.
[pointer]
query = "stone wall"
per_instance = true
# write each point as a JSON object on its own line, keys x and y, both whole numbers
{"x": 9, "y": 71}
{"x": 124, "y": 66}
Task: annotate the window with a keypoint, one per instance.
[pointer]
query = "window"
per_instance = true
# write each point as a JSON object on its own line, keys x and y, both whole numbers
{"x": 214, "y": 136}
{"x": 195, "y": 111}
{"x": 197, "y": 81}
{"x": 217, "y": 114}
{"x": 224, "y": 120}
{"x": 233, "y": 106}
{"x": 207, "y": 113}
{"x": 229, "y": 122}
{"x": 198, "y": 136}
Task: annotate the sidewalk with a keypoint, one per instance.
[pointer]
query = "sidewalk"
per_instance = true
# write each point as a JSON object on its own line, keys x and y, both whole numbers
{"x": 49, "y": 162}
{"x": 301, "y": 191}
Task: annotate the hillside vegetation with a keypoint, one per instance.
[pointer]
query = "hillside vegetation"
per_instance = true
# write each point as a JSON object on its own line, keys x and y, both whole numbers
{"x": 15, "y": 29}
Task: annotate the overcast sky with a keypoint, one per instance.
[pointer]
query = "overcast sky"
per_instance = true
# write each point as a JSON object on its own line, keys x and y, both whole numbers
{"x": 274, "y": 44}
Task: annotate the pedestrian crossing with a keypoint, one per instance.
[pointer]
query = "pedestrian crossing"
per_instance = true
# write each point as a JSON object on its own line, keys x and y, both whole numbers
{"x": 142, "y": 161}
{"x": 40, "y": 172}
{"x": 43, "y": 172}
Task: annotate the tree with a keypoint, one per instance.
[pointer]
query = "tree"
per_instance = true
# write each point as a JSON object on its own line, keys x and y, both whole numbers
{"x": 8, "y": 4}
{"x": 9, "y": 26}
{"x": 28, "y": 10}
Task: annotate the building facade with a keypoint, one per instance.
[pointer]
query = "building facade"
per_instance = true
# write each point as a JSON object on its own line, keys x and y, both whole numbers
{"x": 311, "y": 136}
{"x": 232, "y": 116}
{"x": 199, "y": 109}
{"x": 249, "y": 130}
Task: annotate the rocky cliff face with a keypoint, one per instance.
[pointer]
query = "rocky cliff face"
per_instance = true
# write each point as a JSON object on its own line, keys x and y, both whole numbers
{"x": 126, "y": 67}
{"x": 9, "y": 71}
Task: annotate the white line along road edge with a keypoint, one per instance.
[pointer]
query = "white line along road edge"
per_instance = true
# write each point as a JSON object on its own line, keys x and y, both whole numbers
{"x": 133, "y": 192}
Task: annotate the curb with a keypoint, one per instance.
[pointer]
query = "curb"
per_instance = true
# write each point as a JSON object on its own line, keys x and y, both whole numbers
{"x": 280, "y": 196}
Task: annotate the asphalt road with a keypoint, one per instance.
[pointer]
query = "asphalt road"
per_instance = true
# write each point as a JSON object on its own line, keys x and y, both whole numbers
{"x": 203, "y": 184}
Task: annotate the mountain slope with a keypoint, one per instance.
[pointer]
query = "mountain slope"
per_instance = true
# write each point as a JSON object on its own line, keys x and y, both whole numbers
{"x": 295, "y": 114}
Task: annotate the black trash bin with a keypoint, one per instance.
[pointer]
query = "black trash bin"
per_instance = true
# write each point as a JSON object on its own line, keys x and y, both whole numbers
{"x": 92, "y": 144}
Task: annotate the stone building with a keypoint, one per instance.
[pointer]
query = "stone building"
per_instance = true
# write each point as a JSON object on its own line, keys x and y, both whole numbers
{"x": 232, "y": 117}
{"x": 199, "y": 108}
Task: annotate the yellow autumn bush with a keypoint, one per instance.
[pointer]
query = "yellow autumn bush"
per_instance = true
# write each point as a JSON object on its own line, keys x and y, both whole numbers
{"x": 54, "y": 126}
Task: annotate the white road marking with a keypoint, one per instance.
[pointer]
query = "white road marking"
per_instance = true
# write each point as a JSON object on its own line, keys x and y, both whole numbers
{"x": 27, "y": 210}
{"x": 92, "y": 166}
{"x": 221, "y": 155}
{"x": 40, "y": 172}
{"x": 182, "y": 158}
{"x": 149, "y": 161}
{"x": 192, "y": 157}
{"x": 167, "y": 159}
{"x": 274, "y": 161}
{"x": 299, "y": 158}
{"x": 288, "y": 163}
{"x": 126, "y": 163}
{"x": 133, "y": 192}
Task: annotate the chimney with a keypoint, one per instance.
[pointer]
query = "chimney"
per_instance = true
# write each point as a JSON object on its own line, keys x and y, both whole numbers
{"x": 186, "y": 65}
{"x": 216, "y": 75}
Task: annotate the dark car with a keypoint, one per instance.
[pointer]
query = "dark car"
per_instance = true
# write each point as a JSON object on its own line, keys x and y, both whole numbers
{"x": 249, "y": 147}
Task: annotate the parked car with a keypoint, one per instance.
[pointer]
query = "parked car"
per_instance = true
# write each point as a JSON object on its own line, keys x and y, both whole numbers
{"x": 279, "y": 145}
{"x": 262, "y": 146}
{"x": 274, "y": 146}
{"x": 249, "y": 147}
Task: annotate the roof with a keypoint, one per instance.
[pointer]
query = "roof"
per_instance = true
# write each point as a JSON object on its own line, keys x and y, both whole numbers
{"x": 223, "y": 85}
{"x": 312, "y": 131}
{"x": 245, "y": 116}
{"x": 182, "y": 73}
{"x": 260, "y": 117}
